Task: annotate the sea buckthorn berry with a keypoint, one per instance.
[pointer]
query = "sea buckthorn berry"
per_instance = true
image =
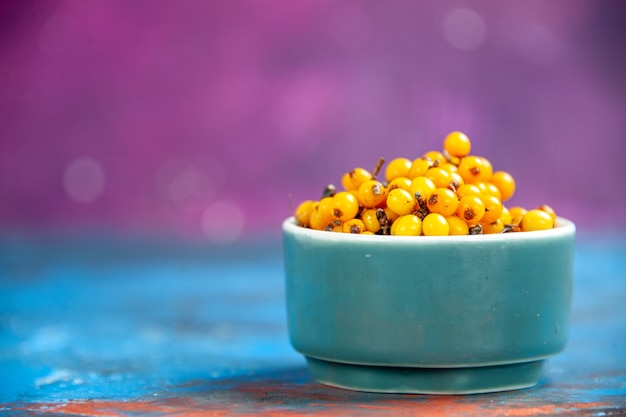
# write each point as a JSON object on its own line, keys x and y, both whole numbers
{"x": 371, "y": 193}
{"x": 457, "y": 144}
{"x": 401, "y": 201}
{"x": 443, "y": 201}
{"x": 435, "y": 225}
{"x": 488, "y": 169}
{"x": 325, "y": 206}
{"x": 493, "y": 227}
{"x": 448, "y": 167}
{"x": 515, "y": 223}
{"x": 355, "y": 226}
{"x": 422, "y": 186}
{"x": 318, "y": 220}
{"x": 536, "y": 220}
{"x": 468, "y": 189}
{"x": 493, "y": 190}
{"x": 550, "y": 211}
{"x": 505, "y": 183}
{"x": 392, "y": 229}
{"x": 457, "y": 226}
{"x": 505, "y": 216}
{"x": 345, "y": 206}
{"x": 408, "y": 225}
{"x": 346, "y": 181}
{"x": 419, "y": 167}
{"x": 482, "y": 186}
{"x": 475, "y": 168}
{"x": 303, "y": 212}
{"x": 322, "y": 215}
{"x": 471, "y": 209}
{"x": 400, "y": 182}
{"x": 351, "y": 181}
{"x": 435, "y": 156}
{"x": 493, "y": 208}
{"x": 370, "y": 220}
{"x": 517, "y": 211}
{"x": 439, "y": 176}
{"x": 399, "y": 167}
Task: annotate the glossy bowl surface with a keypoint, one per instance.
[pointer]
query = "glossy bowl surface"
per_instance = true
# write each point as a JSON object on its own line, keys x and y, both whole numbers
{"x": 445, "y": 315}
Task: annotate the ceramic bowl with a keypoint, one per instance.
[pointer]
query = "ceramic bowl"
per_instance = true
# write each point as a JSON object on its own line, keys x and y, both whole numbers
{"x": 440, "y": 315}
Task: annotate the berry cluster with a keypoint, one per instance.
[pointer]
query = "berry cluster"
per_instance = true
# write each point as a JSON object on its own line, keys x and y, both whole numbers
{"x": 441, "y": 193}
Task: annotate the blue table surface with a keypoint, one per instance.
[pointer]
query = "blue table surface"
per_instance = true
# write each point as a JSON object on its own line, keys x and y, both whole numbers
{"x": 102, "y": 325}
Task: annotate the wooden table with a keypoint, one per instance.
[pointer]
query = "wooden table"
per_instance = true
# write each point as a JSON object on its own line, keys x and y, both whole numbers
{"x": 100, "y": 325}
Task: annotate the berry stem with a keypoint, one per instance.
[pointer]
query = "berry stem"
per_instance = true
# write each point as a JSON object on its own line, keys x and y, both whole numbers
{"x": 379, "y": 165}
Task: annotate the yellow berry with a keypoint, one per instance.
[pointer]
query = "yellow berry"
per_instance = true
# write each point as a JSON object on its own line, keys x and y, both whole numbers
{"x": 471, "y": 209}
{"x": 419, "y": 167}
{"x": 408, "y": 225}
{"x": 422, "y": 186}
{"x": 355, "y": 226}
{"x": 303, "y": 212}
{"x": 475, "y": 168}
{"x": 443, "y": 201}
{"x": 492, "y": 189}
{"x": 345, "y": 206}
{"x": 371, "y": 193}
{"x": 457, "y": 226}
{"x": 434, "y": 156}
{"x": 370, "y": 220}
{"x": 493, "y": 227}
{"x": 493, "y": 208}
{"x": 448, "y": 167}
{"x": 351, "y": 181}
{"x": 505, "y": 183}
{"x": 322, "y": 215}
{"x": 401, "y": 201}
{"x": 550, "y": 211}
{"x": 457, "y": 144}
{"x": 400, "y": 182}
{"x": 517, "y": 211}
{"x": 468, "y": 189}
{"x": 399, "y": 167}
{"x": 435, "y": 224}
{"x": 506, "y": 215}
{"x": 536, "y": 220}
{"x": 439, "y": 176}
{"x": 318, "y": 221}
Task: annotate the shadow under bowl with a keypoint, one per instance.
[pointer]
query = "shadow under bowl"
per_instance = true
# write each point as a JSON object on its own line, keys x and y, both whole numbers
{"x": 439, "y": 315}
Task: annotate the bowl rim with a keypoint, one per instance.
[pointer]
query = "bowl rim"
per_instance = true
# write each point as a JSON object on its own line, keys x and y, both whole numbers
{"x": 564, "y": 227}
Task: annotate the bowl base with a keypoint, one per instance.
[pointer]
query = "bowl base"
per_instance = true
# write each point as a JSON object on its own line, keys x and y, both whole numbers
{"x": 408, "y": 380}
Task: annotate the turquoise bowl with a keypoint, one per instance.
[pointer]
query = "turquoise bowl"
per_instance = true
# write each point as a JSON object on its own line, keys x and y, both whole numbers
{"x": 433, "y": 315}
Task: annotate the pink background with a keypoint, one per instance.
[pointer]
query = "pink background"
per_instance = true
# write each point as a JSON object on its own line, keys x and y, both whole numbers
{"x": 211, "y": 118}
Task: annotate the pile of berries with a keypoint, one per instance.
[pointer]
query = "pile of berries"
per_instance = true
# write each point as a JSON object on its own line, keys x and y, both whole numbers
{"x": 441, "y": 193}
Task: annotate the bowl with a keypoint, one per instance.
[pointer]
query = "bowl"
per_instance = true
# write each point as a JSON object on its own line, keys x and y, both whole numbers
{"x": 432, "y": 315}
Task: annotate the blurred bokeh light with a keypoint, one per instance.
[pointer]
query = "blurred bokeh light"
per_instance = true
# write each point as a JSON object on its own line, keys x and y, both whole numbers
{"x": 215, "y": 118}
